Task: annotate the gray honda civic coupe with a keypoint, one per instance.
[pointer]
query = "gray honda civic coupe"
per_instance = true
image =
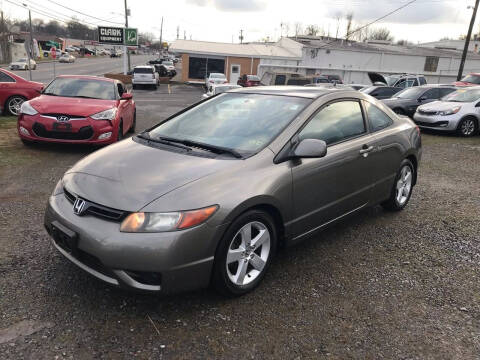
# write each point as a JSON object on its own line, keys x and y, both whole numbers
{"x": 207, "y": 196}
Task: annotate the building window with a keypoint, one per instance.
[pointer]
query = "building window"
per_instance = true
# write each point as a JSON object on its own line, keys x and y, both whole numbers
{"x": 199, "y": 68}
{"x": 431, "y": 63}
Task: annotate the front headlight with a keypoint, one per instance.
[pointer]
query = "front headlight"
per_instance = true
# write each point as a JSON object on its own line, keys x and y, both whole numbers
{"x": 105, "y": 115}
{"x": 28, "y": 109}
{"x": 170, "y": 221}
{"x": 450, "y": 111}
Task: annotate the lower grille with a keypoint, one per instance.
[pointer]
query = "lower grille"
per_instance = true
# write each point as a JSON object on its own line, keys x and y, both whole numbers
{"x": 427, "y": 113}
{"x": 434, "y": 124}
{"x": 84, "y": 133}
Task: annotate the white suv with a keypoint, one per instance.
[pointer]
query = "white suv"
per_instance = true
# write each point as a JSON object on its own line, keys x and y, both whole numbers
{"x": 145, "y": 75}
{"x": 458, "y": 111}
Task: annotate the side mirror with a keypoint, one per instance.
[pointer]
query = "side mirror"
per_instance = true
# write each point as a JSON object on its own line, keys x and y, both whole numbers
{"x": 126, "y": 96}
{"x": 310, "y": 148}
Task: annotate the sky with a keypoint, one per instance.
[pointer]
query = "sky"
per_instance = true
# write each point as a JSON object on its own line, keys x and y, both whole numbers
{"x": 222, "y": 20}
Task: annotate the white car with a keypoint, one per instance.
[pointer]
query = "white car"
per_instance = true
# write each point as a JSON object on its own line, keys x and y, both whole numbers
{"x": 22, "y": 64}
{"x": 458, "y": 111}
{"x": 145, "y": 75}
{"x": 220, "y": 88}
{"x": 215, "y": 78}
{"x": 66, "y": 58}
{"x": 170, "y": 67}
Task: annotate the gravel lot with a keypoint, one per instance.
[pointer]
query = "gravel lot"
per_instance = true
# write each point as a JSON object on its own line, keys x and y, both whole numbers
{"x": 377, "y": 285}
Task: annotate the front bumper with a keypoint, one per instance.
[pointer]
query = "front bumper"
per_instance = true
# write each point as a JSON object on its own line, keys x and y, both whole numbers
{"x": 154, "y": 262}
{"x": 46, "y": 129}
{"x": 436, "y": 122}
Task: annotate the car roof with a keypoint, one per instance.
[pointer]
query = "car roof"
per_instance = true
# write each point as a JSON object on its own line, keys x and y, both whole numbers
{"x": 297, "y": 91}
{"x": 88, "y": 77}
{"x": 144, "y": 66}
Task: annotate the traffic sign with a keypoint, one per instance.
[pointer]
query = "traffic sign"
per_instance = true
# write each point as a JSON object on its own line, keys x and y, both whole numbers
{"x": 53, "y": 52}
{"x": 131, "y": 37}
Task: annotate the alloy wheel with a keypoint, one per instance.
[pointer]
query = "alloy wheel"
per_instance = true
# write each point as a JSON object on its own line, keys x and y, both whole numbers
{"x": 14, "y": 105}
{"x": 248, "y": 253}
{"x": 404, "y": 185}
{"x": 467, "y": 127}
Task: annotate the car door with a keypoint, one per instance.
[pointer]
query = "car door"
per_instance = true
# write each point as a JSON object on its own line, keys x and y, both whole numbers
{"x": 388, "y": 153}
{"x": 7, "y": 86}
{"x": 327, "y": 188}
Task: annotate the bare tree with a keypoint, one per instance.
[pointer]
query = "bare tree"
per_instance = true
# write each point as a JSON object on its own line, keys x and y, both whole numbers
{"x": 380, "y": 34}
{"x": 349, "y": 19}
{"x": 312, "y": 30}
{"x": 298, "y": 28}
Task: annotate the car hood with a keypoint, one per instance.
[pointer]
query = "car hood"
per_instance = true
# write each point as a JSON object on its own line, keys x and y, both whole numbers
{"x": 376, "y": 77}
{"x": 440, "y": 106}
{"x": 129, "y": 175}
{"x": 18, "y": 63}
{"x": 46, "y": 104}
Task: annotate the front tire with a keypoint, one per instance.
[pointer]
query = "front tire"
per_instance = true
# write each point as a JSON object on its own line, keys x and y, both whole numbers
{"x": 467, "y": 127}
{"x": 244, "y": 253}
{"x": 134, "y": 122}
{"x": 402, "y": 187}
{"x": 120, "y": 132}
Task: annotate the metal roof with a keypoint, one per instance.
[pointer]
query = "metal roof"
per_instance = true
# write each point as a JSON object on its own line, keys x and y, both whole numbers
{"x": 251, "y": 50}
{"x": 379, "y": 47}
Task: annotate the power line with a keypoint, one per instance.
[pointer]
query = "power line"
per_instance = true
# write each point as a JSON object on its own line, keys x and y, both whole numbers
{"x": 79, "y": 12}
{"x": 35, "y": 6}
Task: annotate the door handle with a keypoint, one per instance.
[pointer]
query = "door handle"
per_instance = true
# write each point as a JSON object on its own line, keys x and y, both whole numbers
{"x": 365, "y": 150}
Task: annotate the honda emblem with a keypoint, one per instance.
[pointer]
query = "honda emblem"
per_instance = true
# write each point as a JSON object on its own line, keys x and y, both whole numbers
{"x": 78, "y": 206}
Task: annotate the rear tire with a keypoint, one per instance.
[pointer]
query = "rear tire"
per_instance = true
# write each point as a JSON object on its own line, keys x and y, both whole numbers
{"x": 244, "y": 254}
{"x": 402, "y": 187}
{"x": 467, "y": 127}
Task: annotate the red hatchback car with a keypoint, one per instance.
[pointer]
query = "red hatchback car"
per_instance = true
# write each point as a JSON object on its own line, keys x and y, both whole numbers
{"x": 469, "y": 80}
{"x": 14, "y": 90}
{"x": 78, "y": 109}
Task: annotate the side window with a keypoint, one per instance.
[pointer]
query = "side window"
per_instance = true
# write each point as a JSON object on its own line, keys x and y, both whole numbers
{"x": 422, "y": 80}
{"x": 431, "y": 94}
{"x": 445, "y": 91}
{"x": 336, "y": 122}
{"x": 4, "y": 78}
{"x": 377, "y": 119}
{"x": 414, "y": 81}
{"x": 280, "y": 80}
{"x": 401, "y": 84}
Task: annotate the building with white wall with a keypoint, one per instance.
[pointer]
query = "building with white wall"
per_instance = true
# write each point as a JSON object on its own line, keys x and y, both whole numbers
{"x": 353, "y": 60}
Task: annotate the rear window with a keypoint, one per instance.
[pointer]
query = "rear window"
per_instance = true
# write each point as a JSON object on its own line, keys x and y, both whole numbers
{"x": 253, "y": 78}
{"x": 143, "y": 71}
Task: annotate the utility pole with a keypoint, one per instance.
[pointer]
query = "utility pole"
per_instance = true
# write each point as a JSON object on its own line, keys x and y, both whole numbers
{"x": 30, "y": 47}
{"x": 241, "y": 37}
{"x": 126, "y": 54}
{"x": 467, "y": 41}
{"x": 178, "y": 32}
{"x": 161, "y": 33}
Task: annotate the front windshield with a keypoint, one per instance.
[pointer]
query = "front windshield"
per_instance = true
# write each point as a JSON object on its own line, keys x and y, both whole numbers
{"x": 22, "y": 60}
{"x": 474, "y": 79}
{"x": 410, "y": 93}
{"x": 217, "y": 76}
{"x": 463, "y": 95}
{"x": 242, "y": 122}
{"x": 391, "y": 80}
{"x": 89, "y": 88}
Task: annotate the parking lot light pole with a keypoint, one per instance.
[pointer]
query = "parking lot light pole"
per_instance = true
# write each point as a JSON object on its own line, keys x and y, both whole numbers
{"x": 467, "y": 41}
{"x": 30, "y": 44}
{"x": 126, "y": 54}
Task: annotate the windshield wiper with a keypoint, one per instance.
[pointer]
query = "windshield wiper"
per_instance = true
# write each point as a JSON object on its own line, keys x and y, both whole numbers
{"x": 145, "y": 135}
{"x": 213, "y": 148}
{"x": 86, "y": 97}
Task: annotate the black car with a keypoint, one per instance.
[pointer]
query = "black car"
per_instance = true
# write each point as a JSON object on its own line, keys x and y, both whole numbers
{"x": 381, "y": 92}
{"x": 156, "y": 61}
{"x": 161, "y": 70}
{"x": 406, "y": 101}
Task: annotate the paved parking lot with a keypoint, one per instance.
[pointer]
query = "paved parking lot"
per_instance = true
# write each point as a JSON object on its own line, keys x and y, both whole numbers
{"x": 377, "y": 285}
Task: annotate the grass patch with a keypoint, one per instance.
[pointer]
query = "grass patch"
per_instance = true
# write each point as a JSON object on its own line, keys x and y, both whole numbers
{"x": 8, "y": 122}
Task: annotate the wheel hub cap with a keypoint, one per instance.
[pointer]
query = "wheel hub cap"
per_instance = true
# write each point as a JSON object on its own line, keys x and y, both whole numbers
{"x": 404, "y": 185}
{"x": 248, "y": 253}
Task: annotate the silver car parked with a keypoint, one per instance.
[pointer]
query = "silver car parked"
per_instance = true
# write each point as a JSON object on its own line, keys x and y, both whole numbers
{"x": 209, "y": 195}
